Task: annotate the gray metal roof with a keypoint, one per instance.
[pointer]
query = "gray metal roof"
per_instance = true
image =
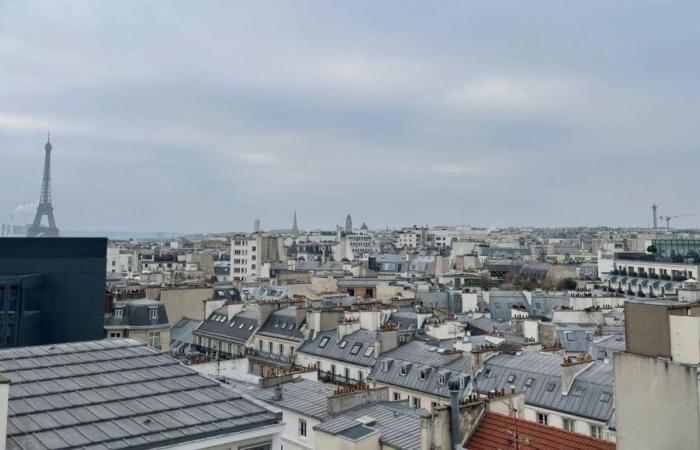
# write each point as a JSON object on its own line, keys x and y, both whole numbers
{"x": 116, "y": 393}
{"x": 606, "y": 346}
{"x": 398, "y": 423}
{"x": 181, "y": 334}
{"x": 282, "y": 324}
{"x": 137, "y": 313}
{"x": 303, "y": 396}
{"x": 239, "y": 329}
{"x": 500, "y": 303}
{"x": 591, "y": 394}
{"x": 574, "y": 338}
{"x": 422, "y": 367}
{"x": 333, "y": 350}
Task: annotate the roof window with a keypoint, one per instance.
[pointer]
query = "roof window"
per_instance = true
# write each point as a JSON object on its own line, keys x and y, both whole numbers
{"x": 324, "y": 341}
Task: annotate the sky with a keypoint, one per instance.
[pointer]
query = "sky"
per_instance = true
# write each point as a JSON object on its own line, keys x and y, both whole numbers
{"x": 203, "y": 116}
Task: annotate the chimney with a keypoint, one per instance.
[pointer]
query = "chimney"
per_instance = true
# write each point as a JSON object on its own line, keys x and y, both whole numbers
{"x": 479, "y": 354}
{"x": 232, "y": 309}
{"x": 265, "y": 309}
{"x": 321, "y": 320}
{"x": 387, "y": 340}
{"x": 300, "y": 316}
{"x": 454, "y": 414}
{"x": 370, "y": 320}
{"x": 571, "y": 367}
{"x": 464, "y": 344}
{"x": 346, "y": 398}
{"x": 277, "y": 394}
{"x": 4, "y": 399}
{"x": 346, "y": 327}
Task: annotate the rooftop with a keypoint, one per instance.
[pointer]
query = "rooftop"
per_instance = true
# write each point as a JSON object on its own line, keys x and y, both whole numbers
{"x": 497, "y": 431}
{"x": 116, "y": 393}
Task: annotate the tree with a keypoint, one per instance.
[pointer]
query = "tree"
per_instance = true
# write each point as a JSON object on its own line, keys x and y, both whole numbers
{"x": 486, "y": 283}
{"x": 568, "y": 284}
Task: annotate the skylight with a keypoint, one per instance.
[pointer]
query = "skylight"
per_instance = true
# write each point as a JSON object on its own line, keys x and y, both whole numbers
{"x": 324, "y": 341}
{"x": 529, "y": 381}
{"x": 355, "y": 349}
{"x": 510, "y": 378}
{"x": 284, "y": 325}
{"x": 343, "y": 343}
{"x": 550, "y": 387}
{"x": 605, "y": 397}
{"x": 232, "y": 324}
{"x": 369, "y": 352}
{"x": 241, "y": 325}
{"x": 250, "y": 328}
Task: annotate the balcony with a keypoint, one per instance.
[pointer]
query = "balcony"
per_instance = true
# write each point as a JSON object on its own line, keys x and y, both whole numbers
{"x": 268, "y": 357}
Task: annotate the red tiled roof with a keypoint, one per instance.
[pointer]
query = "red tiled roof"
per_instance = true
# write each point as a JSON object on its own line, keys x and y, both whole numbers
{"x": 497, "y": 432}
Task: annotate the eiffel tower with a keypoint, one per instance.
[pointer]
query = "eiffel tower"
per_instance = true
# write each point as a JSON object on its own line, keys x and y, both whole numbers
{"x": 45, "y": 208}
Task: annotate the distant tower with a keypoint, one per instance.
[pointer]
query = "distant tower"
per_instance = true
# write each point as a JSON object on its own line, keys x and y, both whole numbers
{"x": 295, "y": 226}
{"x": 653, "y": 210}
{"x": 348, "y": 224}
{"x": 256, "y": 227}
{"x": 45, "y": 208}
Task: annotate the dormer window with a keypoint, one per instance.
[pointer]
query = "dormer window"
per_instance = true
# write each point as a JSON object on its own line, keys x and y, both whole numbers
{"x": 153, "y": 313}
{"x": 529, "y": 381}
{"x": 423, "y": 374}
{"x": 385, "y": 365}
{"x": 510, "y": 378}
{"x": 404, "y": 370}
{"x": 442, "y": 378}
{"x": 119, "y": 313}
{"x": 487, "y": 373}
{"x": 569, "y": 336}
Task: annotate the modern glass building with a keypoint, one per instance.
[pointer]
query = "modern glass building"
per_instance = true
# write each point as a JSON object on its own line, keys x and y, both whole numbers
{"x": 677, "y": 248}
{"x": 52, "y": 290}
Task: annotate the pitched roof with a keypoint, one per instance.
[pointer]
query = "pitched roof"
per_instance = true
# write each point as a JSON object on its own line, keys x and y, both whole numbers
{"x": 326, "y": 345}
{"x": 116, "y": 393}
{"x": 303, "y": 396}
{"x": 398, "y": 423}
{"x": 239, "y": 329}
{"x": 418, "y": 366}
{"x": 590, "y": 395}
{"x": 282, "y": 324}
{"x": 137, "y": 314}
{"x": 497, "y": 431}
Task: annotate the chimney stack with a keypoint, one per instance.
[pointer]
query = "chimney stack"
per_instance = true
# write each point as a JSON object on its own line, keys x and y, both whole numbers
{"x": 4, "y": 399}
{"x": 277, "y": 394}
{"x": 454, "y": 414}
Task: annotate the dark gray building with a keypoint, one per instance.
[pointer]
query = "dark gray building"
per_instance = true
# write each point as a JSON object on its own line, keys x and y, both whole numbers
{"x": 52, "y": 290}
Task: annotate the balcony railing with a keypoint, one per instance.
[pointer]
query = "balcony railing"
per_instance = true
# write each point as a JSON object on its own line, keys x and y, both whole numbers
{"x": 270, "y": 357}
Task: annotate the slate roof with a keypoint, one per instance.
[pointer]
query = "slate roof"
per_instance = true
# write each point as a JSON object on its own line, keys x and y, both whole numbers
{"x": 422, "y": 366}
{"x": 404, "y": 320}
{"x": 226, "y": 293}
{"x": 333, "y": 350}
{"x": 575, "y": 338}
{"x": 584, "y": 399}
{"x": 282, "y": 324}
{"x": 136, "y": 313}
{"x": 239, "y": 329}
{"x": 606, "y": 346}
{"x": 496, "y": 432}
{"x": 500, "y": 303}
{"x": 543, "y": 303}
{"x": 484, "y": 325}
{"x": 303, "y": 396}
{"x": 116, "y": 393}
{"x": 398, "y": 423}
{"x": 181, "y": 334}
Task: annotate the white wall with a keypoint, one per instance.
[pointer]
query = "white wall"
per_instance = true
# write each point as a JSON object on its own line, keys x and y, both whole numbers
{"x": 236, "y": 369}
{"x": 685, "y": 339}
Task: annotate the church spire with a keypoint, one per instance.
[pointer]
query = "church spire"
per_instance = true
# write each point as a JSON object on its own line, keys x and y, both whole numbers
{"x": 295, "y": 227}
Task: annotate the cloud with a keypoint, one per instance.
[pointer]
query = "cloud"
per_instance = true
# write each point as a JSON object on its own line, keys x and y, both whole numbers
{"x": 197, "y": 118}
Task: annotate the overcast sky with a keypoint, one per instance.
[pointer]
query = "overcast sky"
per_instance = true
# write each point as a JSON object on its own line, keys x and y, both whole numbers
{"x": 202, "y": 116}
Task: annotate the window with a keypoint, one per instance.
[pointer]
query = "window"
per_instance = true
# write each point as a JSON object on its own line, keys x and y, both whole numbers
{"x": 241, "y": 325}
{"x": 281, "y": 349}
{"x": 442, "y": 378}
{"x": 269, "y": 347}
{"x": 569, "y": 336}
{"x": 385, "y": 365}
{"x": 355, "y": 349}
{"x": 360, "y": 377}
{"x": 597, "y": 431}
{"x": 397, "y": 396}
{"x": 154, "y": 339}
{"x": 250, "y": 328}
{"x": 550, "y": 387}
{"x": 115, "y": 335}
{"x": 324, "y": 341}
{"x": 277, "y": 324}
{"x": 487, "y": 373}
{"x": 343, "y": 343}
{"x": 368, "y": 352}
{"x": 529, "y": 381}
{"x": 422, "y": 375}
{"x": 404, "y": 369}
{"x": 416, "y": 402}
{"x": 605, "y": 397}
{"x": 578, "y": 390}
{"x": 119, "y": 313}
{"x": 302, "y": 427}
{"x": 153, "y": 313}
{"x": 347, "y": 374}
{"x": 510, "y": 378}
{"x": 568, "y": 424}
{"x": 284, "y": 325}
{"x": 542, "y": 418}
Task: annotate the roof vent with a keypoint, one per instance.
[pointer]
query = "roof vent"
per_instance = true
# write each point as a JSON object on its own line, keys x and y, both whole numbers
{"x": 366, "y": 420}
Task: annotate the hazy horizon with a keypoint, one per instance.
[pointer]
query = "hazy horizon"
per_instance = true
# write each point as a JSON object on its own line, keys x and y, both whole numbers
{"x": 202, "y": 117}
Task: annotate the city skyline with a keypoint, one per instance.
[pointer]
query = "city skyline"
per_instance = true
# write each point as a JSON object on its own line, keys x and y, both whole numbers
{"x": 204, "y": 119}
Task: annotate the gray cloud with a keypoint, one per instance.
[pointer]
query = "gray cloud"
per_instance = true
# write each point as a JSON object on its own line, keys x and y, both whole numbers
{"x": 203, "y": 117}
